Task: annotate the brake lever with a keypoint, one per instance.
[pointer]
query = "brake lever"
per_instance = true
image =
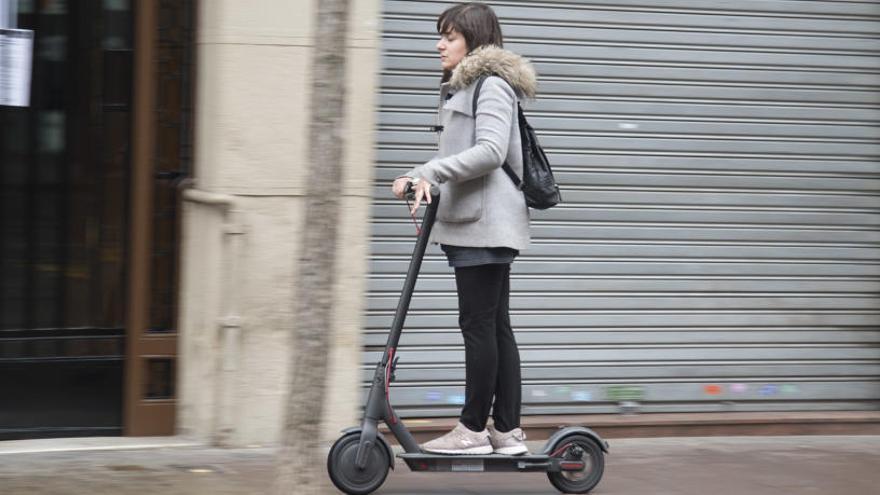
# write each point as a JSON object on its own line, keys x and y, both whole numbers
{"x": 409, "y": 192}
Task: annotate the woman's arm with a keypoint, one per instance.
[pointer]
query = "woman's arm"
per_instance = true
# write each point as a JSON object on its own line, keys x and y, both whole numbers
{"x": 495, "y": 113}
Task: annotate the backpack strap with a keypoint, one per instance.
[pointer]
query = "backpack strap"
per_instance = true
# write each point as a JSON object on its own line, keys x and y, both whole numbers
{"x": 512, "y": 175}
{"x": 509, "y": 171}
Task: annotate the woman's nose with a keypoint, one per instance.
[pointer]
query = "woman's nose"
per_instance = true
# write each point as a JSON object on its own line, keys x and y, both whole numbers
{"x": 440, "y": 44}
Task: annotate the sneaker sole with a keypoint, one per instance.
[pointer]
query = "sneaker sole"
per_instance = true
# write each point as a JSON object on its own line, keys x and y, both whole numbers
{"x": 520, "y": 450}
{"x": 471, "y": 451}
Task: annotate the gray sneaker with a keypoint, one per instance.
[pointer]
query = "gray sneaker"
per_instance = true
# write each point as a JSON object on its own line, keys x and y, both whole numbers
{"x": 461, "y": 440}
{"x": 508, "y": 443}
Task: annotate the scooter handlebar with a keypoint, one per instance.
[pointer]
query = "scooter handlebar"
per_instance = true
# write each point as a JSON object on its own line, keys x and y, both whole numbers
{"x": 409, "y": 192}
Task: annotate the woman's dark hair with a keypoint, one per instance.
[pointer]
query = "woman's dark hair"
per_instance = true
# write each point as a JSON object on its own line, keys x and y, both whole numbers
{"x": 476, "y": 22}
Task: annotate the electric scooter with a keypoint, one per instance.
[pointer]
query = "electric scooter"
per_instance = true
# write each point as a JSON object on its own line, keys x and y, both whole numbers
{"x": 359, "y": 460}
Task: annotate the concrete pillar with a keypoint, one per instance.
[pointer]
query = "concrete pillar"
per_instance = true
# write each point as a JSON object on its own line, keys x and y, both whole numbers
{"x": 238, "y": 259}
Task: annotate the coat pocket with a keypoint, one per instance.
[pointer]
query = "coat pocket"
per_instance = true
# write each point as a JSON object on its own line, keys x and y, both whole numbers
{"x": 462, "y": 201}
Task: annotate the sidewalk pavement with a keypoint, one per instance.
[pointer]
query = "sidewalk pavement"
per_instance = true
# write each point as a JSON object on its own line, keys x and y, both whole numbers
{"x": 839, "y": 465}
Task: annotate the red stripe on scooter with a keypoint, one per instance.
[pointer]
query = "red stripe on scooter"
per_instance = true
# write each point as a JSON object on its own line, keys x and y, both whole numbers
{"x": 560, "y": 450}
{"x": 387, "y": 384}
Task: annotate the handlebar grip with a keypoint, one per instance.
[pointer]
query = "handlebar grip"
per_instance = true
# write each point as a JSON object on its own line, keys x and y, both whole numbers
{"x": 409, "y": 193}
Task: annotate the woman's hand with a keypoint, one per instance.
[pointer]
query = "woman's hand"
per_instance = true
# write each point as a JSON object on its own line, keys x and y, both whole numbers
{"x": 399, "y": 186}
{"x": 422, "y": 189}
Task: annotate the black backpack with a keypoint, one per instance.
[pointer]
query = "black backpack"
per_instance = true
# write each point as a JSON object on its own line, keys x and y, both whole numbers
{"x": 538, "y": 185}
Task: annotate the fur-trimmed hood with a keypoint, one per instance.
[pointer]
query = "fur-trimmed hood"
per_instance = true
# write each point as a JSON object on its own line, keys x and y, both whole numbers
{"x": 490, "y": 59}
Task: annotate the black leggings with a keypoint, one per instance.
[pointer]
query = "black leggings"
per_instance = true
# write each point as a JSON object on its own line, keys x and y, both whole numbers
{"x": 491, "y": 356}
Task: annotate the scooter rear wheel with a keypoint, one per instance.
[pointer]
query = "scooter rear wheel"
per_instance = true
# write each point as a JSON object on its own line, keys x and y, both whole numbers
{"x": 346, "y": 476}
{"x": 578, "y": 448}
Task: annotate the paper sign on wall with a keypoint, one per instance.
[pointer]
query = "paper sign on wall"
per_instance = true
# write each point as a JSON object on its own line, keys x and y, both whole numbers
{"x": 16, "y": 53}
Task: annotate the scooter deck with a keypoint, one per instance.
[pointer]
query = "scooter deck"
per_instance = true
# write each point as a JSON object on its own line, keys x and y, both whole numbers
{"x": 482, "y": 463}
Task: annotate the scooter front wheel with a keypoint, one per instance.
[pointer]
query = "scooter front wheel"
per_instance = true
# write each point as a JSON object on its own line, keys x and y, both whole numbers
{"x": 578, "y": 448}
{"x": 346, "y": 476}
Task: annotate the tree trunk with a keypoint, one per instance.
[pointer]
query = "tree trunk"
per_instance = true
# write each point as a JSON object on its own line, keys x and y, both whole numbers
{"x": 301, "y": 460}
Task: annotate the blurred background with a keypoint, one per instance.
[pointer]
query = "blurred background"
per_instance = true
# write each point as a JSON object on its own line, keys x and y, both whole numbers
{"x": 716, "y": 259}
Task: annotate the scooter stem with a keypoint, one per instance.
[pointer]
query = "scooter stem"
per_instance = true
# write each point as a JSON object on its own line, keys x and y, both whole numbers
{"x": 412, "y": 274}
{"x": 378, "y": 408}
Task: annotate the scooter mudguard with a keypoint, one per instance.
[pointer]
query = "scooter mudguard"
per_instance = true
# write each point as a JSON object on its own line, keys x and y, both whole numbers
{"x": 353, "y": 429}
{"x": 571, "y": 430}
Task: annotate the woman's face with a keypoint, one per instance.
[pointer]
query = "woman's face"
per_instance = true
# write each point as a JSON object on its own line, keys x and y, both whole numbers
{"x": 452, "y": 48}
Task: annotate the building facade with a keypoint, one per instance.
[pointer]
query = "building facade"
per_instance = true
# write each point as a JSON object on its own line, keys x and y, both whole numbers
{"x": 90, "y": 217}
{"x": 716, "y": 250}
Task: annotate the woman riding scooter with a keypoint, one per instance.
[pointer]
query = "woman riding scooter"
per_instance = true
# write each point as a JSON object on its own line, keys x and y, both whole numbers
{"x": 482, "y": 222}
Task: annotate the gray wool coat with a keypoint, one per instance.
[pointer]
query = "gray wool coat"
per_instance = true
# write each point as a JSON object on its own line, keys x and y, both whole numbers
{"x": 479, "y": 204}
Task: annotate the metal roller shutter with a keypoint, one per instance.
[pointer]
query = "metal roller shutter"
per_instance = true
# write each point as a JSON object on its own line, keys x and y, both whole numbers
{"x": 718, "y": 246}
